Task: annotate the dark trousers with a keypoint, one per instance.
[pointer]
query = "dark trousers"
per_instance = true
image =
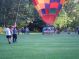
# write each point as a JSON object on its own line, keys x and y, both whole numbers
{"x": 78, "y": 32}
{"x": 14, "y": 37}
{"x": 9, "y": 38}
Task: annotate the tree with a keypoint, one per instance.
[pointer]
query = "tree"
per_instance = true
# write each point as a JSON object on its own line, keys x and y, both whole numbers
{"x": 71, "y": 9}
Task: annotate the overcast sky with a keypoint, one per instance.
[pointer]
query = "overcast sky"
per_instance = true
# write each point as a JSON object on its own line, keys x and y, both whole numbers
{"x": 76, "y": 1}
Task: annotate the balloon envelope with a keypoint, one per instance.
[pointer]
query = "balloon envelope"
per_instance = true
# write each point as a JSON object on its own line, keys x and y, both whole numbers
{"x": 48, "y": 9}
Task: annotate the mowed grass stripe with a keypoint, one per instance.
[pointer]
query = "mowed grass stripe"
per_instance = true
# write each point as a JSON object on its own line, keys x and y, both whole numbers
{"x": 37, "y": 46}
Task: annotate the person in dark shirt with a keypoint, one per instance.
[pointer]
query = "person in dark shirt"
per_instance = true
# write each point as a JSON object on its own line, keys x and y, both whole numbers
{"x": 78, "y": 30}
{"x": 14, "y": 34}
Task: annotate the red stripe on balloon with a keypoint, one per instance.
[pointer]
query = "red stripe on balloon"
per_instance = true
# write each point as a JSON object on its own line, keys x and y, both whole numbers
{"x": 35, "y": 2}
{"x": 49, "y": 19}
{"x": 54, "y": 5}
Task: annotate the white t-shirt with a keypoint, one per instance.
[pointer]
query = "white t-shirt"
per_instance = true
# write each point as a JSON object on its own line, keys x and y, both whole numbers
{"x": 7, "y": 31}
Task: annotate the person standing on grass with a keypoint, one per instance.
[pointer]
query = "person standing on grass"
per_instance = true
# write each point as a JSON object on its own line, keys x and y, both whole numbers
{"x": 78, "y": 30}
{"x": 14, "y": 34}
{"x": 69, "y": 30}
{"x": 18, "y": 31}
{"x": 8, "y": 34}
{"x": 27, "y": 30}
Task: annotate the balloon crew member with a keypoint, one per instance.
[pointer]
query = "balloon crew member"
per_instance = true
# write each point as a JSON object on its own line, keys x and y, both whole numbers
{"x": 14, "y": 34}
{"x": 8, "y": 34}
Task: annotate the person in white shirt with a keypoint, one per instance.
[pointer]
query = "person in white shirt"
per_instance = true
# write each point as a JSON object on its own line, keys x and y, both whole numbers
{"x": 8, "y": 34}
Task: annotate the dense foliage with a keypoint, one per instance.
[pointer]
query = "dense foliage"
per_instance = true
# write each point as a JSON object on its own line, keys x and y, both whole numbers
{"x": 23, "y": 12}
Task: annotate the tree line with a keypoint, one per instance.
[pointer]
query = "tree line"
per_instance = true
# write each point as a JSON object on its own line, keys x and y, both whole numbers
{"x": 23, "y": 12}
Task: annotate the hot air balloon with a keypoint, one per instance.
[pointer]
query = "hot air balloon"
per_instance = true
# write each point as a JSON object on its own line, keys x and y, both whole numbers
{"x": 48, "y": 9}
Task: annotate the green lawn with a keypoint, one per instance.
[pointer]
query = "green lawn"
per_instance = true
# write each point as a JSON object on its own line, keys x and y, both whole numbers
{"x": 37, "y": 46}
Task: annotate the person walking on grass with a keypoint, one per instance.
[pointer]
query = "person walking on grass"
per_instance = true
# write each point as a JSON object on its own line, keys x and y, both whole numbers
{"x": 8, "y": 34}
{"x": 14, "y": 34}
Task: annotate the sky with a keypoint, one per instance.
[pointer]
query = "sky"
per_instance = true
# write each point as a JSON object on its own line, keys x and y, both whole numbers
{"x": 76, "y": 1}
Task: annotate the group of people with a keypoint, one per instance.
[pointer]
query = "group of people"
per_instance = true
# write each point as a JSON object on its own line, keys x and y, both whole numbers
{"x": 24, "y": 30}
{"x": 48, "y": 30}
{"x": 11, "y": 34}
{"x": 58, "y": 30}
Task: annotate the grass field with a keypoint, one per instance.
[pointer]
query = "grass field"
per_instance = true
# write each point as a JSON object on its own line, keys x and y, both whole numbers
{"x": 37, "y": 46}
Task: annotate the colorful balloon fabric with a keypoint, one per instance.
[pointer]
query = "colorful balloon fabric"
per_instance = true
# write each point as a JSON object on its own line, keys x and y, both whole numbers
{"x": 48, "y": 9}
